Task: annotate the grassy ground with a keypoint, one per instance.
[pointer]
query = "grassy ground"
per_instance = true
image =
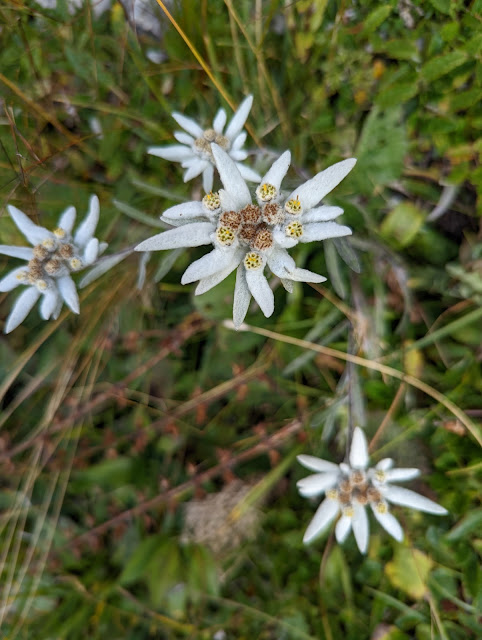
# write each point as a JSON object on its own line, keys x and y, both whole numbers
{"x": 147, "y": 452}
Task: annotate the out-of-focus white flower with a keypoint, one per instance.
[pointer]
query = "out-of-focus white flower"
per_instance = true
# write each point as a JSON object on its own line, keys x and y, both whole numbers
{"x": 250, "y": 236}
{"x": 195, "y": 149}
{"x": 350, "y": 488}
{"x": 54, "y": 256}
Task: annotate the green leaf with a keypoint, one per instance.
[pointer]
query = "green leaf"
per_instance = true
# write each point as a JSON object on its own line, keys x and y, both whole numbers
{"x": 375, "y": 18}
{"x": 409, "y": 571}
{"x": 402, "y": 224}
{"x": 140, "y": 561}
{"x": 471, "y": 522}
{"x": 441, "y": 65}
{"x": 397, "y": 94}
{"x": 164, "y": 571}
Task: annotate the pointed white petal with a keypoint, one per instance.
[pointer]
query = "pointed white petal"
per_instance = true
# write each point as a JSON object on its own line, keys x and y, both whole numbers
{"x": 103, "y": 266}
{"x": 316, "y": 484}
{"x": 195, "y": 169}
{"x": 321, "y": 214}
{"x": 219, "y": 121}
{"x": 401, "y": 475}
{"x": 360, "y": 527}
{"x": 247, "y": 173}
{"x": 389, "y": 523}
{"x": 239, "y": 141}
{"x": 67, "y": 219}
{"x": 239, "y": 118}
{"x": 342, "y": 529}
{"x": 87, "y": 229}
{"x": 31, "y": 231}
{"x": 406, "y": 498}
{"x": 278, "y": 171}
{"x": 211, "y": 281}
{"x": 208, "y": 175}
{"x": 24, "y": 253}
{"x": 22, "y": 307}
{"x": 326, "y": 513}
{"x": 173, "y": 153}
{"x": 69, "y": 293}
{"x": 242, "y": 297}
{"x": 183, "y": 138}
{"x": 281, "y": 263}
{"x": 287, "y": 284}
{"x": 189, "y": 125}
{"x": 385, "y": 464}
{"x": 303, "y": 275}
{"x": 359, "y": 450}
{"x": 314, "y": 190}
{"x": 238, "y": 155}
{"x": 11, "y": 281}
{"x": 194, "y": 234}
{"x": 187, "y": 210}
{"x": 231, "y": 178}
{"x": 102, "y": 247}
{"x": 209, "y": 264}
{"x": 260, "y": 290}
{"x": 49, "y": 302}
{"x": 228, "y": 202}
{"x": 324, "y": 230}
{"x": 91, "y": 251}
{"x": 282, "y": 240}
{"x": 318, "y": 464}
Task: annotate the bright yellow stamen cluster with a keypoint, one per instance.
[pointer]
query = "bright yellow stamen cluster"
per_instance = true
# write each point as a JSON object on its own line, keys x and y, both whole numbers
{"x": 332, "y": 494}
{"x": 76, "y": 264}
{"x": 381, "y": 508}
{"x": 41, "y": 285}
{"x": 252, "y": 260}
{"x": 211, "y": 201}
{"x": 48, "y": 243}
{"x": 293, "y": 206}
{"x": 266, "y": 192}
{"x": 59, "y": 233}
{"x": 380, "y": 476}
{"x": 294, "y": 230}
{"x": 225, "y": 236}
{"x": 348, "y": 511}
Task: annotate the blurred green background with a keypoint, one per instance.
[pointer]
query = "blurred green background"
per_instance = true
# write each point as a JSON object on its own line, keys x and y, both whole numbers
{"x": 147, "y": 452}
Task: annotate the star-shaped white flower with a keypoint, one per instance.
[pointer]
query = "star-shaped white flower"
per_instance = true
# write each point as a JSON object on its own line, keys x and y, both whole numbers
{"x": 195, "y": 152}
{"x": 349, "y": 488}
{"x": 54, "y": 256}
{"x": 248, "y": 237}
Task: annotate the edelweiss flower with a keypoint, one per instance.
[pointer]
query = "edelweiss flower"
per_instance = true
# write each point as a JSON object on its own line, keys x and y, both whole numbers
{"x": 55, "y": 255}
{"x": 195, "y": 151}
{"x": 350, "y": 488}
{"x": 250, "y": 236}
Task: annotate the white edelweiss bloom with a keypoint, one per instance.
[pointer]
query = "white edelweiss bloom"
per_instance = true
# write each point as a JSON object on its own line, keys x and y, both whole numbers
{"x": 247, "y": 236}
{"x": 53, "y": 257}
{"x": 349, "y": 488}
{"x": 195, "y": 152}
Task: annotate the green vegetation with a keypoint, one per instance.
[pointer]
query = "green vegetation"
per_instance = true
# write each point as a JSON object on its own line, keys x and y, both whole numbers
{"x": 145, "y": 413}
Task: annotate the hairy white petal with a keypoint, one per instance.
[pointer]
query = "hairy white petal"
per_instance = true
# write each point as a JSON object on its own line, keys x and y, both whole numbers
{"x": 11, "y": 281}
{"x": 326, "y": 513}
{"x": 188, "y": 124}
{"x": 69, "y": 293}
{"x": 208, "y": 176}
{"x": 389, "y": 523}
{"x": 323, "y": 231}
{"x": 195, "y": 234}
{"x": 317, "y": 464}
{"x": 242, "y": 297}
{"x": 238, "y": 155}
{"x": 316, "y": 484}
{"x": 287, "y": 284}
{"x": 360, "y": 527}
{"x": 260, "y": 290}
{"x": 239, "y": 141}
{"x": 205, "y": 284}
{"x": 209, "y": 264}
{"x": 183, "y": 138}
{"x": 173, "y": 153}
{"x": 195, "y": 169}
{"x": 282, "y": 240}
{"x": 321, "y": 214}
{"x": 87, "y": 229}
{"x": 342, "y": 529}
{"x": 401, "y": 475}
{"x": 314, "y": 190}
{"x": 67, "y": 220}
{"x": 49, "y": 303}
{"x": 219, "y": 121}
{"x": 385, "y": 464}
{"x": 247, "y": 173}
{"x": 239, "y": 118}
{"x": 103, "y": 266}
{"x": 359, "y": 450}
{"x": 278, "y": 171}
{"x": 91, "y": 251}
{"x": 231, "y": 178}
{"x": 406, "y": 498}
{"x": 186, "y": 210}
{"x": 22, "y": 307}
{"x": 30, "y": 230}
{"x": 281, "y": 263}
{"x": 303, "y": 275}
{"x": 24, "y": 253}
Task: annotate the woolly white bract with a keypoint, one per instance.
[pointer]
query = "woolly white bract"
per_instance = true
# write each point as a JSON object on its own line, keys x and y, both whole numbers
{"x": 54, "y": 256}
{"x": 248, "y": 237}
{"x": 350, "y": 488}
{"x": 195, "y": 151}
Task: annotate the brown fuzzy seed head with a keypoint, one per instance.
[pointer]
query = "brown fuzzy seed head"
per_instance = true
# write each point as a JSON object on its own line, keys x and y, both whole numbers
{"x": 52, "y": 266}
{"x": 263, "y": 239}
{"x": 230, "y": 219}
{"x": 344, "y": 497}
{"x": 209, "y": 135}
{"x": 251, "y": 214}
{"x": 374, "y": 495}
{"x": 66, "y": 251}
{"x": 273, "y": 213}
{"x": 358, "y": 477}
{"x": 222, "y": 141}
{"x": 345, "y": 486}
{"x": 361, "y": 497}
{"x": 35, "y": 268}
{"x": 247, "y": 232}
{"x": 40, "y": 252}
